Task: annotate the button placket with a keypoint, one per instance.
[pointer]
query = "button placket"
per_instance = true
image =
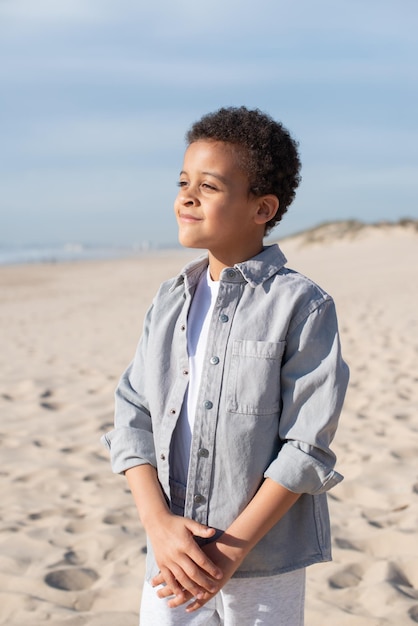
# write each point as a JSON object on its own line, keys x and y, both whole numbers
{"x": 201, "y": 457}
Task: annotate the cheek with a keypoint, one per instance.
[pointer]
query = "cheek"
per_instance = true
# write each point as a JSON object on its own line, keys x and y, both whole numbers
{"x": 176, "y": 204}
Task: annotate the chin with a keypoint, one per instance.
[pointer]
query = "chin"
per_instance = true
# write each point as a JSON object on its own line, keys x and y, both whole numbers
{"x": 190, "y": 242}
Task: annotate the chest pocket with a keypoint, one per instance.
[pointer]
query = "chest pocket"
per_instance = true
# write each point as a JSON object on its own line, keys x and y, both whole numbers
{"x": 254, "y": 377}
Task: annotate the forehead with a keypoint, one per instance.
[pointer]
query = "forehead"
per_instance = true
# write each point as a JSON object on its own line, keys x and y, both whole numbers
{"x": 216, "y": 154}
{"x": 221, "y": 151}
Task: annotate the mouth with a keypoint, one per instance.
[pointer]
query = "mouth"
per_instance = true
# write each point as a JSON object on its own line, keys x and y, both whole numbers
{"x": 188, "y": 217}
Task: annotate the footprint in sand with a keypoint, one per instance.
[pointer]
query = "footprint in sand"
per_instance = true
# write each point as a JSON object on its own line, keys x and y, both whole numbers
{"x": 71, "y": 449}
{"x": 403, "y": 575}
{"x": 71, "y": 557}
{"x": 75, "y": 558}
{"x": 46, "y": 403}
{"x": 39, "y": 515}
{"x": 349, "y": 577}
{"x": 72, "y": 579}
{"x": 78, "y": 527}
{"x": 383, "y": 518}
{"x": 402, "y": 417}
{"x": 407, "y": 453}
{"x": 401, "y": 583}
{"x": 96, "y": 478}
{"x": 50, "y": 406}
{"x": 118, "y": 519}
{"x": 345, "y": 544}
{"x": 413, "y": 613}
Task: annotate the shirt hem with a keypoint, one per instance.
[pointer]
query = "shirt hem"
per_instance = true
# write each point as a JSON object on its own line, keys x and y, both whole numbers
{"x": 282, "y": 570}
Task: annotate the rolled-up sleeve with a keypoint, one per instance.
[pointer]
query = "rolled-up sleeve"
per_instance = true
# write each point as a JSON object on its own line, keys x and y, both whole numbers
{"x": 131, "y": 442}
{"x": 314, "y": 379}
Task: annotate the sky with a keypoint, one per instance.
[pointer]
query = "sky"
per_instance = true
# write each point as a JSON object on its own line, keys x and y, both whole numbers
{"x": 96, "y": 97}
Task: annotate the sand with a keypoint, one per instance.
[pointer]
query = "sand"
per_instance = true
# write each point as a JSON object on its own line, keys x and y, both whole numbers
{"x": 71, "y": 547}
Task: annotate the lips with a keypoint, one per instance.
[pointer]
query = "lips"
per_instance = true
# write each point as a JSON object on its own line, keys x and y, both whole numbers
{"x": 188, "y": 217}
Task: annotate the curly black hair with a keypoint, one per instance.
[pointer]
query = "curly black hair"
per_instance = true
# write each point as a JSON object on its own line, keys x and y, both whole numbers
{"x": 268, "y": 154}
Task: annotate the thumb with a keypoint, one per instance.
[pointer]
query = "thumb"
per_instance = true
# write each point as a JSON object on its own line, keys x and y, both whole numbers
{"x": 199, "y": 530}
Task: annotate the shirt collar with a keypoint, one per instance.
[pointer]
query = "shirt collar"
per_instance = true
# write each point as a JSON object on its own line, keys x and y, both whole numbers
{"x": 255, "y": 271}
{"x": 263, "y": 266}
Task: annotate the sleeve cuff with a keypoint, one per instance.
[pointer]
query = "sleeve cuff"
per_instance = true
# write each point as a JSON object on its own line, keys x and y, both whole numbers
{"x": 129, "y": 447}
{"x": 300, "y": 472}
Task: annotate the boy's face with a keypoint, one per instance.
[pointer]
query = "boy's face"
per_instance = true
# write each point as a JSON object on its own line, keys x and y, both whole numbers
{"x": 214, "y": 207}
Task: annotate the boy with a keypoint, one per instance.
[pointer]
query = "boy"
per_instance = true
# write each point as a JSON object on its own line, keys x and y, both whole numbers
{"x": 224, "y": 419}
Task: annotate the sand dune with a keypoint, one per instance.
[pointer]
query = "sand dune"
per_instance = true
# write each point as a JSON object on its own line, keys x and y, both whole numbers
{"x": 71, "y": 548}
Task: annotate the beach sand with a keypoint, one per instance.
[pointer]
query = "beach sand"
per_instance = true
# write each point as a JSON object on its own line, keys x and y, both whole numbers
{"x": 71, "y": 548}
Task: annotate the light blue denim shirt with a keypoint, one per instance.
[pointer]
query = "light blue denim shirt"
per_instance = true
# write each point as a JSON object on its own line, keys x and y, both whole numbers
{"x": 272, "y": 389}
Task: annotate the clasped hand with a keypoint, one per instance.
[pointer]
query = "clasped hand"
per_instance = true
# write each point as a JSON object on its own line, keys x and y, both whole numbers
{"x": 187, "y": 570}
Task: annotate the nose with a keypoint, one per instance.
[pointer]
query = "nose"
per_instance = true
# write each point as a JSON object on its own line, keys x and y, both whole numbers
{"x": 187, "y": 196}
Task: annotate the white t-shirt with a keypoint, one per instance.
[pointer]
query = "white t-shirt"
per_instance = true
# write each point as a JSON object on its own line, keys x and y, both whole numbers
{"x": 200, "y": 314}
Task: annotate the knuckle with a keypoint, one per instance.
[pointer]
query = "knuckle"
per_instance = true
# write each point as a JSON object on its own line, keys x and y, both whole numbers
{"x": 193, "y": 571}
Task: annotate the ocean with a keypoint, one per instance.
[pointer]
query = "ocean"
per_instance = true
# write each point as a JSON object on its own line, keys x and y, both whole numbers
{"x": 16, "y": 255}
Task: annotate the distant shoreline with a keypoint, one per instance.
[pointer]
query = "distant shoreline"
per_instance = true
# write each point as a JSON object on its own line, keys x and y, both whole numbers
{"x": 64, "y": 254}
{"x": 75, "y": 252}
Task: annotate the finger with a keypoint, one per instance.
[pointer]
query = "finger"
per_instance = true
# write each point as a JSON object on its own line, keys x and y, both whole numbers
{"x": 192, "y": 578}
{"x": 199, "y": 530}
{"x": 165, "y": 592}
{"x": 187, "y": 576}
{"x": 173, "y": 603}
{"x": 157, "y": 580}
{"x": 197, "y": 604}
{"x": 197, "y": 555}
{"x": 170, "y": 580}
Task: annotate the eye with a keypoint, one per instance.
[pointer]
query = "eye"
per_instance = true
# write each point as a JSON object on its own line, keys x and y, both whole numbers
{"x": 181, "y": 183}
{"x": 208, "y": 186}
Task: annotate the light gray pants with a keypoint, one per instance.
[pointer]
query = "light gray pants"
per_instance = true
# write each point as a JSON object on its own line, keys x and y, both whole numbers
{"x": 270, "y": 601}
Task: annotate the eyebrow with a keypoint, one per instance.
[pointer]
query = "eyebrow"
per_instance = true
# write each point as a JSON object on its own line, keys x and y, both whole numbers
{"x": 218, "y": 176}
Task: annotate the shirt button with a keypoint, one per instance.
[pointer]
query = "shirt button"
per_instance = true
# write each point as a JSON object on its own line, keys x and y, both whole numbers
{"x": 186, "y": 372}
{"x": 199, "y": 499}
{"x": 172, "y": 411}
{"x": 231, "y": 273}
{"x": 203, "y": 453}
{"x": 182, "y": 327}
{"x": 162, "y": 456}
{"x": 214, "y": 360}
{"x": 223, "y": 318}
{"x": 208, "y": 404}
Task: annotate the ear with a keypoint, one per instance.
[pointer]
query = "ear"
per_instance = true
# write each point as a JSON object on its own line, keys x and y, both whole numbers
{"x": 267, "y": 208}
